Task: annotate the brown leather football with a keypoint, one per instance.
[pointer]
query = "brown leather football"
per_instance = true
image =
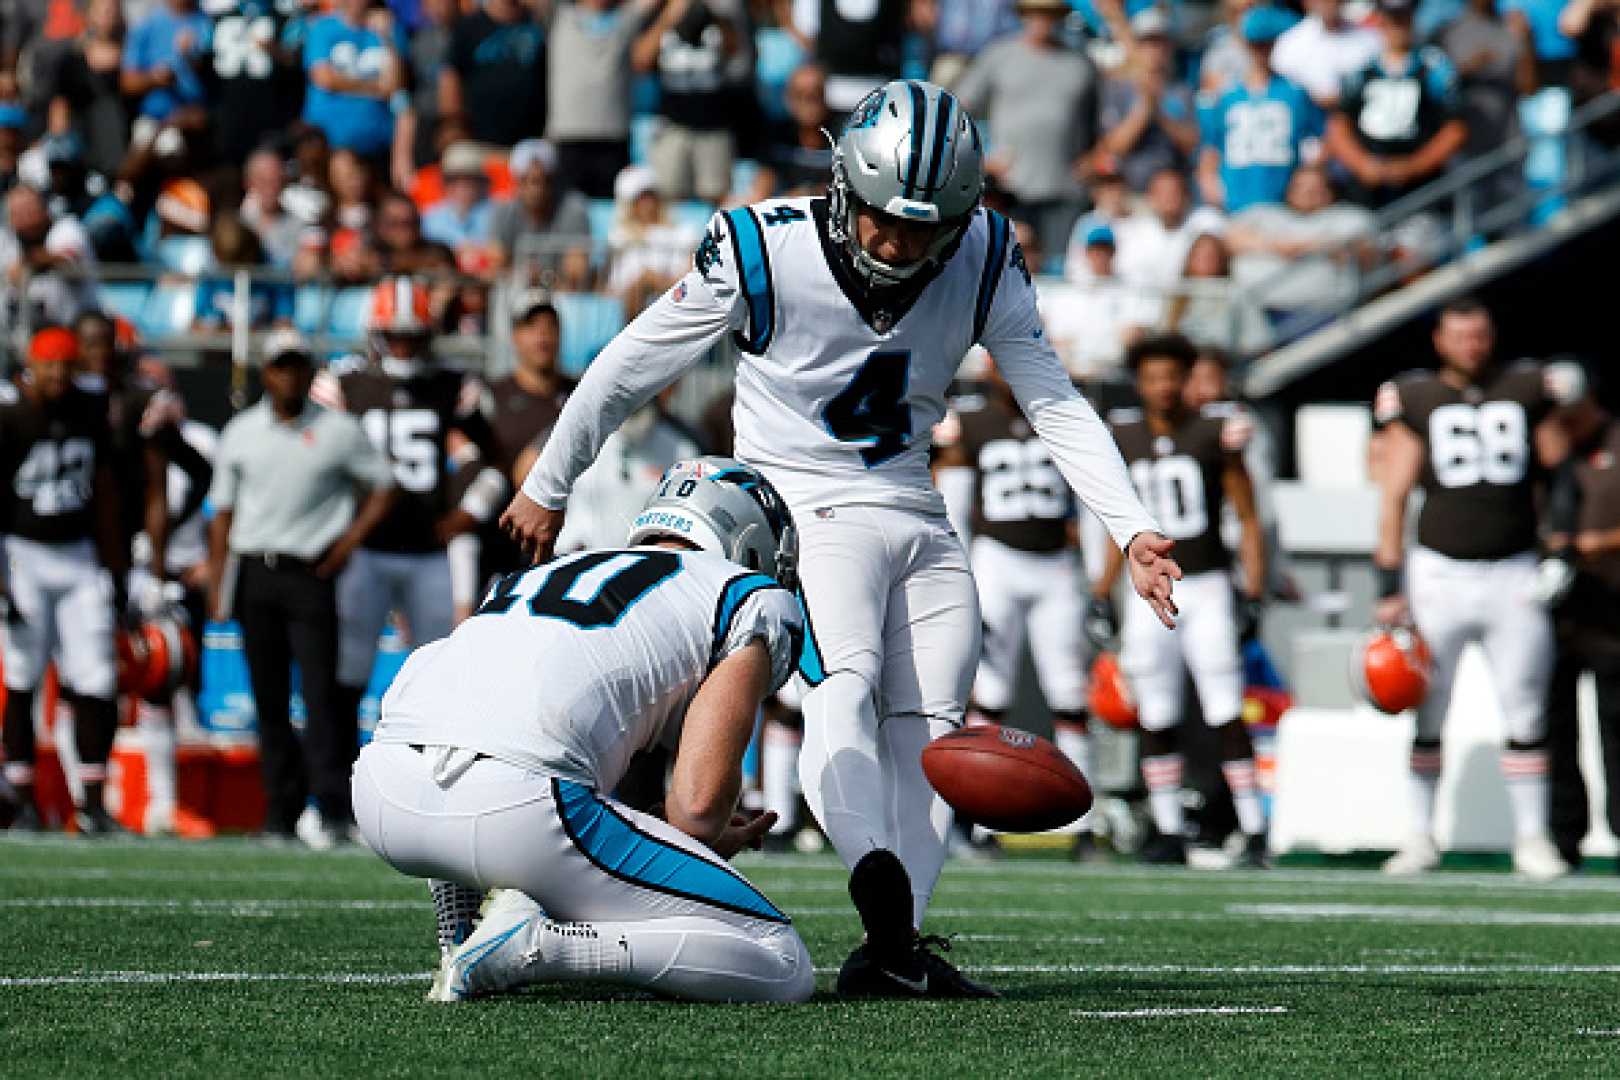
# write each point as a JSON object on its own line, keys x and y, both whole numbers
{"x": 1006, "y": 779}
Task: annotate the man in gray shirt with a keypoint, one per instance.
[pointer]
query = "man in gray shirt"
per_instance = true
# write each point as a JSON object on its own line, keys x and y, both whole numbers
{"x": 588, "y": 91}
{"x": 1040, "y": 101}
{"x": 284, "y": 499}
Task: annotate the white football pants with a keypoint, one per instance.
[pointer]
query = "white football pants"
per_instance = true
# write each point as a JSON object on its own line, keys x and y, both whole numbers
{"x": 1035, "y": 594}
{"x": 679, "y": 920}
{"x": 377, "y": 582}
{"x": 1492, "y": 601}
{"x": 62, "y": 602}
{"x": 1204, "y": 643}
{"x": 895, "y": 620}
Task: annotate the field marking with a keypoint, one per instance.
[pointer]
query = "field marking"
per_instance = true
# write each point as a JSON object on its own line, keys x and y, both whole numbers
{"x": 1166, "y": 1011}
{"x": 228, "y": 905}
{"x": 1451, "y": 916}
{"x": 150, "y": 978}
{"x": 1601, "y": 1033}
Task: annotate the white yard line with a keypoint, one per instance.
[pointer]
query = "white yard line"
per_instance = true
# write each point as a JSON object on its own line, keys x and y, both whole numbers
{"x": 1158, "y": 1013}
{"x": 229, "y": 905}
{"x": 149, "y": 978}
{"x": 1449, "y": 916}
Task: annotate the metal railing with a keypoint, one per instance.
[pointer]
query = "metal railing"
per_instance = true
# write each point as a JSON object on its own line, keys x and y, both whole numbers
{"x": 1483, "y": 199}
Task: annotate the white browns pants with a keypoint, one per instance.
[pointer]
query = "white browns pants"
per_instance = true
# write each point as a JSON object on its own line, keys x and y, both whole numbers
{"x": 62, "y": 599}
{"x": 1035, "y": 595}
{"x": 377, "y": 582}
{"x": 1155, "y": 659}
{"x": 1491, "y": 601}
{"x": 675, "y": 917}
{"x": 895, "y": 620}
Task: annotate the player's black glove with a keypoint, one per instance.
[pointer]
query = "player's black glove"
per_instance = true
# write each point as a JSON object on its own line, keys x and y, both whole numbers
{"x": 1101, "y": 623}
{"x": 1250, "y": 610}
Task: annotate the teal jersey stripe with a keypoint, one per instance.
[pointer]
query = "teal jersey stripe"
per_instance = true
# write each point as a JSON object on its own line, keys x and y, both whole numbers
{"x": 754, "y": 272}
{"x": 618, "y": 848}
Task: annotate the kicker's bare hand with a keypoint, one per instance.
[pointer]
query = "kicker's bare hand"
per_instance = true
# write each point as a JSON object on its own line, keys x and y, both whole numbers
{"x": 1154, "y": 573}
{"x": 532, "y": 527}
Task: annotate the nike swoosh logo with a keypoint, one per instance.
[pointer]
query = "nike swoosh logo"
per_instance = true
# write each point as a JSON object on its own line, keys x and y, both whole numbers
{"x": 916, "y": 986}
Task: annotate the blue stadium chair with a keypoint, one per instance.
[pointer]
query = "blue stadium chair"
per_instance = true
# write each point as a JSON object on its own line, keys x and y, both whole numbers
{"x": 777, "y": 54}
{"x": 169, "y": 310}
{"x": 309, "y": 308}
{"x": 599, "y": 212}
{"x": 744, "y": 171}
{"x": 589, "y": 321}
{"x": 642, "y": 130}
{"x": 692, "y": 214}
{"x": 126, "y": 298}
{"x": 645, "y": 95}
{"x": 349, "y": 313}
{"x": 185, "y": 254}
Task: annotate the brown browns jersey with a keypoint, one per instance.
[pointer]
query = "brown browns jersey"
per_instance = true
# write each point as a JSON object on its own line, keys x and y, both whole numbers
{"x": 48, "y": 455}
{"x": 1179, "y": 478}
{"x": 1597, "y": 474}
{"x": 1019, "y": 497}
{"x": 518, "y": 417}
{"x": 408, "y": 418}
{"x": 1479, "y": 461}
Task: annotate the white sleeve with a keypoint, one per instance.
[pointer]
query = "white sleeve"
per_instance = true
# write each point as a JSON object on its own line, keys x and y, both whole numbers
{"x": 651, "y": 353}
{"x": 772, "y": 615}
{"x": 1080, "y": 444}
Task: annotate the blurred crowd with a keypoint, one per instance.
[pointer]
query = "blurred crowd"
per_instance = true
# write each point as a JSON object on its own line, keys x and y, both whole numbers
{"x": 1152, "y": 151}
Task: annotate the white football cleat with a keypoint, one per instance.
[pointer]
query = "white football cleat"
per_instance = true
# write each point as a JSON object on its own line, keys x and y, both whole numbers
{"x": 498, "y": 953}
{"x": 1418, "y": 856}
{"x": 1536, "y": 858}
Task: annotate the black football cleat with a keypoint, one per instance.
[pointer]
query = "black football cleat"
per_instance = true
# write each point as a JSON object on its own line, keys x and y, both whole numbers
{"x": 27, "y": 820}
{"x": 944, "y": 980}
{"x": 98, "y": 823}
{"x": 1165, "y": 851}
{"x": 917, "y": 972}
{"x": 1256, "y": 853}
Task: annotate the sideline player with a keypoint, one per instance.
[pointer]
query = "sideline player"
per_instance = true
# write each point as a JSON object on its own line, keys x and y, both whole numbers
{"x": 498, "y": 745}
{"x": 409, "y": 404}
{"x": 1024, "y": 548}
{"x": 1472, "y": 435}
{"x": 850, "y": 315}
{"x": 64, "y": 563}
{"x": 1188, "y": 466}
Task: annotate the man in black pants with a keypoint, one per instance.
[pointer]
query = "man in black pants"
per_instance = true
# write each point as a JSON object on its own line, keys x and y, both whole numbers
{"x": 1588, "y": 626}
{"x": 284, "y": 496}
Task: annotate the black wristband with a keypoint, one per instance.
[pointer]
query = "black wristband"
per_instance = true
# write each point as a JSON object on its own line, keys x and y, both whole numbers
{"x": 1389, "y": 581}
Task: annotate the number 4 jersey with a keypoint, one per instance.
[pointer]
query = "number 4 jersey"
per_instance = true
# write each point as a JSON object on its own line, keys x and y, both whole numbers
{"x": 48, "y": 454}
{"x": 571, "y": 667}
{"x": 1479, "y": 459}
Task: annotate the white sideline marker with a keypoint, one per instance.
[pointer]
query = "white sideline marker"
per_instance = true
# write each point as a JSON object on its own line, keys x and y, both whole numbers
{"x": 1164, "y": 1012}
{"x": 152, "y": 978}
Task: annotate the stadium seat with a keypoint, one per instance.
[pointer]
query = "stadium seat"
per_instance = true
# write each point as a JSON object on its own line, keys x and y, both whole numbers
{"x": 309, "y": 308}
{"x": 692, "y": 214}
{"x": 348, "y": 317}
{"x": 599, "y": 213}
{"x": 642, "y": 130}
{"x": 777, "y": 54}
{"x": 589, "y": 322}
{"x": 126, "y": 298}
{"x": 1330, "y": 445}
{"x": 744, "y": 171}
{"x": 169, "y": 310}
{"x": 185, "y": 254}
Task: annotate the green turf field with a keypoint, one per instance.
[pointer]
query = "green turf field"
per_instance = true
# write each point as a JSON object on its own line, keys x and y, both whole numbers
{"x": 230, "y": 960}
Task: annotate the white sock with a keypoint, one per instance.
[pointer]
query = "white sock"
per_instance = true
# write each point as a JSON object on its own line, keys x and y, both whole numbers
{"x": 1423, "y": 782}
{"x": 1526, "y": 774}
{"x": 1162, "y": 774}
{"x": 779, "y": 774}
{"x": 1075, "y": 744}
{"x": 156, "y": 726}
{"x": 1245, "y": 795}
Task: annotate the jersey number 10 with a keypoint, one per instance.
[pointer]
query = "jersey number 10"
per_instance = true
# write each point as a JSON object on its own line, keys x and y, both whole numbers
{"x": 591, "y": 590}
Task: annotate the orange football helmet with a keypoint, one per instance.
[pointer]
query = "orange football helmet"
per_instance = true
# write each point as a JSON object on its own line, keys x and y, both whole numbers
{"x": 399, "y": 306}
{"x": 1391, "y": 668}
{"x": 156, "y": 656}
{"x": 1110, "y": 697}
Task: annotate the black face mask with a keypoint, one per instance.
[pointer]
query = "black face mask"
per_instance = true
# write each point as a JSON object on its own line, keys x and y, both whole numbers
{"x": 697, "y": 19}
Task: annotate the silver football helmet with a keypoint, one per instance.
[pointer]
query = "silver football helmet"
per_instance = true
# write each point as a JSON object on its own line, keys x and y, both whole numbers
{"x": 910, "y": 150}
{"x": 723, "y": 506}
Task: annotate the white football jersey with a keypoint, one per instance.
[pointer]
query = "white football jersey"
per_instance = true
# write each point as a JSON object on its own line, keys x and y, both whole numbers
{"x": 571, "y": 667}
{"x": 837, "y": 398}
